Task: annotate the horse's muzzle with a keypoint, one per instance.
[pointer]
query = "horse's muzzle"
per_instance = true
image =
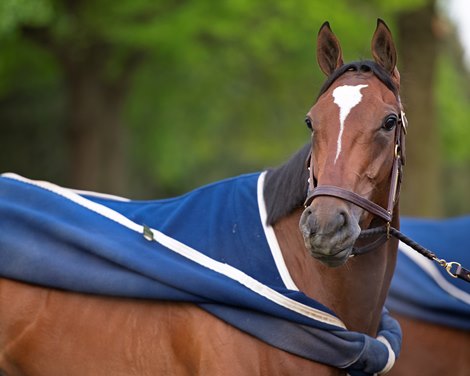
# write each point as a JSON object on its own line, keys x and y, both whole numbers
{"x": 329, "y": 231}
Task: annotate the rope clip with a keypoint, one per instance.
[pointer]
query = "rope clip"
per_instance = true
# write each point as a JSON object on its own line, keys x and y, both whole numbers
{"x": 448, "y": 266}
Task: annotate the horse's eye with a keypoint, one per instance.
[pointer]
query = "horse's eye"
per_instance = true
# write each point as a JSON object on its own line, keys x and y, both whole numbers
{"x": 308, "y": 121}
{"x": 390, "y": 122}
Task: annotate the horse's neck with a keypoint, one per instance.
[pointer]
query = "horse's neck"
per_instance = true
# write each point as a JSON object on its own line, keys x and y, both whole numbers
{"x": 355, "y": 291}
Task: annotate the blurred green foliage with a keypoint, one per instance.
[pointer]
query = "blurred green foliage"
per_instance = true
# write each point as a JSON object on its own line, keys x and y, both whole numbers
{"x": 453, "y": 98}
{"x": 222, "y": 89}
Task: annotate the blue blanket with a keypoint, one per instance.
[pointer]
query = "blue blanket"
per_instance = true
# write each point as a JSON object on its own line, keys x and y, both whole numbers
{"x": 423, "y": 290}
{"x": 210, "y": 247}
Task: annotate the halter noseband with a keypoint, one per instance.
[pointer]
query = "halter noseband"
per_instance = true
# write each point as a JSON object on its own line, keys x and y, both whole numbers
{"x": 344, "y": 194}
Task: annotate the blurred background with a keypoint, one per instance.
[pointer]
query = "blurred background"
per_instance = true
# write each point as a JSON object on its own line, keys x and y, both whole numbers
{"x": 151, "y": 98}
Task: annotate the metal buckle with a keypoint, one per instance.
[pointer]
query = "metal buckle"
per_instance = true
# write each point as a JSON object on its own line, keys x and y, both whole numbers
{"x": 147, "y": 233}
{"x": 404, "y": 122}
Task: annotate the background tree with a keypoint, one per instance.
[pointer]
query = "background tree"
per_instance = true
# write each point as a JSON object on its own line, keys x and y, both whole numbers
{"x": 419, "y": 54}
{"x": 152, "y": 98}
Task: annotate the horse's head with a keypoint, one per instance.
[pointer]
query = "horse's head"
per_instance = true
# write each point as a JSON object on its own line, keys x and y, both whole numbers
{"x": 357, "y": 143}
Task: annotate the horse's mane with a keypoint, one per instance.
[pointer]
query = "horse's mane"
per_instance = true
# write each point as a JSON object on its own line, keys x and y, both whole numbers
{"x": 285, "y": 187}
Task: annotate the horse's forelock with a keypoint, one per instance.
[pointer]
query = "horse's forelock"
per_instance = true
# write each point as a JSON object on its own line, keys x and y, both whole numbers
{"x": 361, "y": 66}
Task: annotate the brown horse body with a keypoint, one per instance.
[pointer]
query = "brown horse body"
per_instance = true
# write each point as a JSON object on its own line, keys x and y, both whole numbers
{"x": 432, "y": 349}
{"x": 51, "y": 332}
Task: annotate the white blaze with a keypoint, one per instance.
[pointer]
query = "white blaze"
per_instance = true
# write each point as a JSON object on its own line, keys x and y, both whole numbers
{"x": 346, "y": 97}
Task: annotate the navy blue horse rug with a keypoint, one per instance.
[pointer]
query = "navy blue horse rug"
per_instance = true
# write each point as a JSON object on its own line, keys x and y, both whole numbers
{"x": 210, "y": 247}
{"x": 422, "y": 290}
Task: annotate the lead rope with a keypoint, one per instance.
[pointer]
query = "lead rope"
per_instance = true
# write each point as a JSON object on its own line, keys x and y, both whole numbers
{"x": 453, "y": 268}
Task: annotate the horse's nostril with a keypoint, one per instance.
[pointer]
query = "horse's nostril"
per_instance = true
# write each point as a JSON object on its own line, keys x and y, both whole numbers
{"x": 312, "y": 224}
{"x": 320, "y": 222}
{"x": 343, "y": 219}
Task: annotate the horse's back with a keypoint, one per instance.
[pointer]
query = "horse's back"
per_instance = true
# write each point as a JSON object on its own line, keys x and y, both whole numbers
{"x": 432, "y": 349}
{"x": 51, "y": 332}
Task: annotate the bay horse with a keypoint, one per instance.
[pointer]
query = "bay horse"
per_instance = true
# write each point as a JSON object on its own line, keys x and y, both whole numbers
{"x": 352, "y": 183}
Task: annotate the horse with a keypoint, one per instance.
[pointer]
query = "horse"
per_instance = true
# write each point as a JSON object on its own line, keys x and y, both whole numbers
{"x": 316, "y": 204}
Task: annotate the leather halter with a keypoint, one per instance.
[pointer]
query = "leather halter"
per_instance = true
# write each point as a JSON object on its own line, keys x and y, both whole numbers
{"x": 395, "y": 180}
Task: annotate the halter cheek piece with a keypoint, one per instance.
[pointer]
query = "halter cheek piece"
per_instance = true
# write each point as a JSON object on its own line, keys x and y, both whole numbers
{"x": 344, "y": 194}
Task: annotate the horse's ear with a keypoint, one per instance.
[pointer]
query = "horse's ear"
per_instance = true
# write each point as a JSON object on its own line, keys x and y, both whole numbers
{"x": 329, "y": 55}
{"x": 383, "y": 48}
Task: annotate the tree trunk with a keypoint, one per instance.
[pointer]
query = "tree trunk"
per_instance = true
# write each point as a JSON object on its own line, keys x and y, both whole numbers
{"x": 421, "y": 193}
{"x": 96, "y": 136}
{"x": 97, "y": 139}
